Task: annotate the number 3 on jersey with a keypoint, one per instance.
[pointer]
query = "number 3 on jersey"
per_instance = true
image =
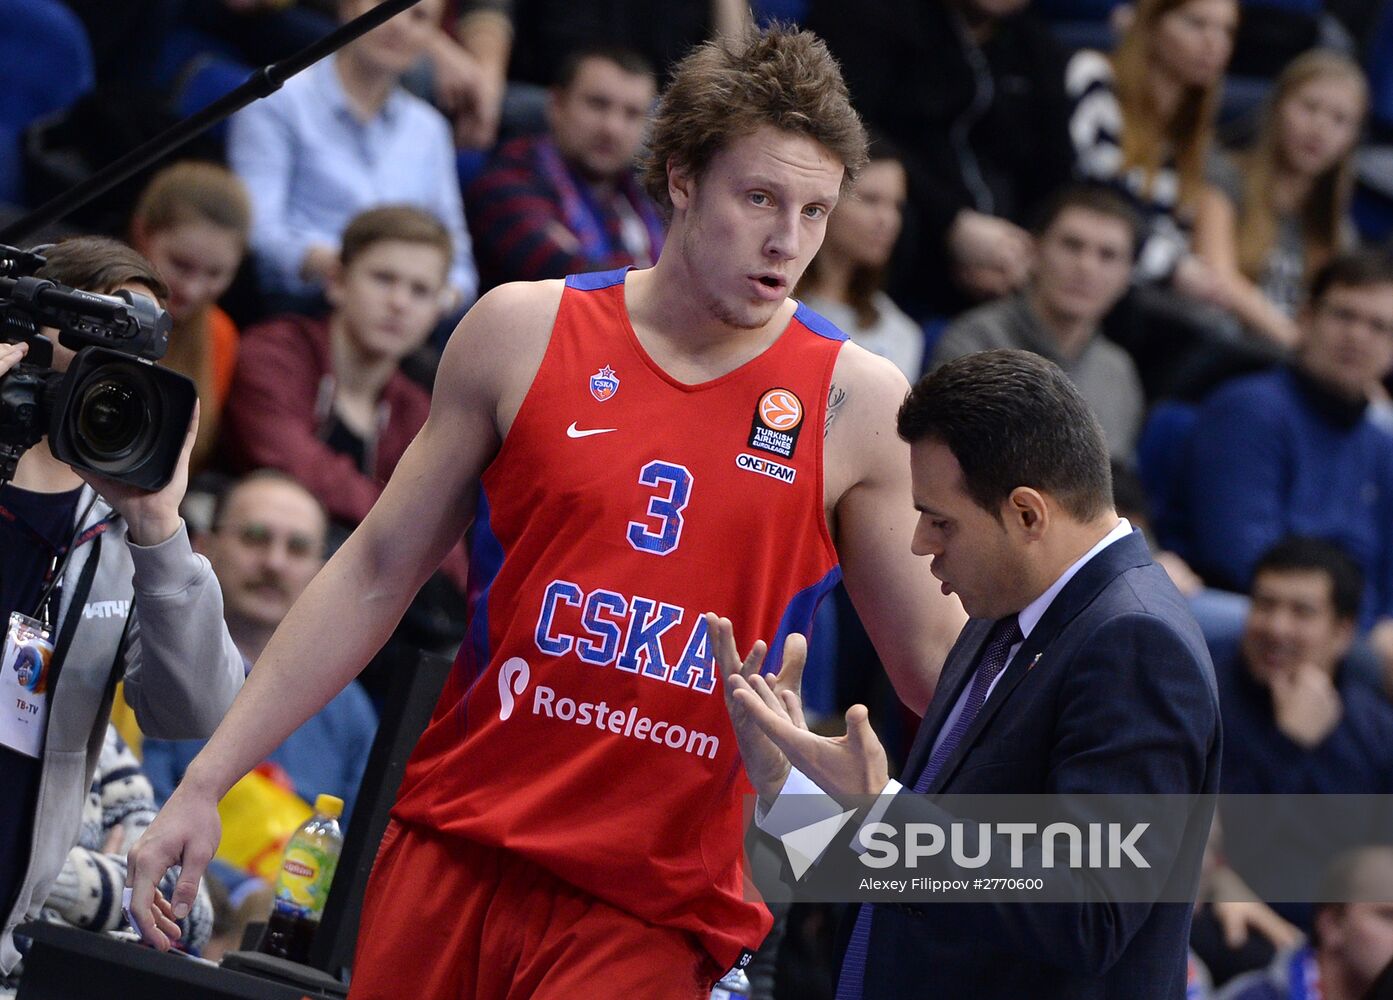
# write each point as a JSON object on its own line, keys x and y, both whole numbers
{"x": 665, "y": 511}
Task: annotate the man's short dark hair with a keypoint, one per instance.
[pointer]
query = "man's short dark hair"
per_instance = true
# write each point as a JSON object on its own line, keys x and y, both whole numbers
{"x": 631, "y": 62}
{"x": 393, "y": 223}
{"x": 1011, "y": 419}
{"x": 1352, "y": 269}
{"x": 1315, "y": 555}
{"x": 101, "y": 265}
{"x": 1090, "y": 198}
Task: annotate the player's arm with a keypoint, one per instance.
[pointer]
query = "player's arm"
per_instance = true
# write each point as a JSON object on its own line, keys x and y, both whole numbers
{"x": 909, "y": 620}
{"x": 352, "y": 606}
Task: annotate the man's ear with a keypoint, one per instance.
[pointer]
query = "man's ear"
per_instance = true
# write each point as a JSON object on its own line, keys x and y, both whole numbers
{"x": 679, "y": 185}
{"x": 1027, "y": 511}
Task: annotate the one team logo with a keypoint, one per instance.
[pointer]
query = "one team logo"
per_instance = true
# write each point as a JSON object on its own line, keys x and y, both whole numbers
{"x": 604, "y": 383}
{"x": 777, "y": 422}
{"x": 766, "y": 467}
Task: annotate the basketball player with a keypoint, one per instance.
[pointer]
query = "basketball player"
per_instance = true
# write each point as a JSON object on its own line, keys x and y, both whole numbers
{"x": 643, "y": 446}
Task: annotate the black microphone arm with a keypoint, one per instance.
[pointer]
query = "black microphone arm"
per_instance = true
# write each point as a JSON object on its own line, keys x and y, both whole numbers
{"x": 262, "y": 82}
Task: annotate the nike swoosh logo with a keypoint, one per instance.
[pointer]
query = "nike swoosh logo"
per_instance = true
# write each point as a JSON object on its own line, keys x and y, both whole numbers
{"x": 573, "y": 432}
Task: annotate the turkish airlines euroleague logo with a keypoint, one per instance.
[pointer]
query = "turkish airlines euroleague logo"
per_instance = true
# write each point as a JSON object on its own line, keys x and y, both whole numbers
{"x": 777, "y": 423}
{"x": 513, "y": 678}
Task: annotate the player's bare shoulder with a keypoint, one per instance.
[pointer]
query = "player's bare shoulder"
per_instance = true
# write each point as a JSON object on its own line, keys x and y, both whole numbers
{"x": 495, "y": 352}
{"x": 862, "y": 402}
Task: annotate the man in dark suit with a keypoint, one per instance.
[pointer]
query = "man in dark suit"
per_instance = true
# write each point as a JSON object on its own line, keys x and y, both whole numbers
{"x": 1081, "y": 672}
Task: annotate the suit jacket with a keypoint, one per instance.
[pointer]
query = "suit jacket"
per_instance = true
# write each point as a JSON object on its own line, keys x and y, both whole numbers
{"x": 1122, "y": 699}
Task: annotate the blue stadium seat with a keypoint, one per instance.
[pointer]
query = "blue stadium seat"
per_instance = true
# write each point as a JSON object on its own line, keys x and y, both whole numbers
{"x": 205, "y": 79}
{"x": 1378, "y": 63}
{"x": 45, "y": 65}
{"x": 45, "y": 61}
{"x": 179, "y": 52}
{"x": 1162, "y": 455}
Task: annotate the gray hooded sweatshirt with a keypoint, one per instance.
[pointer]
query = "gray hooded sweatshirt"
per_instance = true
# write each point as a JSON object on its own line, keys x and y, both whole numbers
{"x": 152, "y": 615}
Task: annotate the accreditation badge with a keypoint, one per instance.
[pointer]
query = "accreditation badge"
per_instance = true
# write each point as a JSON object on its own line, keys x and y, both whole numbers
{"x": 24, "y": 685}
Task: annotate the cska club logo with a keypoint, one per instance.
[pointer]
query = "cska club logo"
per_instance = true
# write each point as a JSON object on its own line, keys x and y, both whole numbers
{"x": 604, "y": 383}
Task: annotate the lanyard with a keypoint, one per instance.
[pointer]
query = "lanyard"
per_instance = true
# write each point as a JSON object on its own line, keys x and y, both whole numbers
{"x": 58, "y": 557}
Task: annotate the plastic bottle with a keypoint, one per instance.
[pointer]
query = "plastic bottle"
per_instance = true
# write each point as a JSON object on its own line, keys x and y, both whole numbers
{"x": 303, "y": 883}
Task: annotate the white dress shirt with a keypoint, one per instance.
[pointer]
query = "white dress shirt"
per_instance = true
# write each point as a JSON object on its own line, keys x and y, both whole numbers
{"x": 801, "y": 801}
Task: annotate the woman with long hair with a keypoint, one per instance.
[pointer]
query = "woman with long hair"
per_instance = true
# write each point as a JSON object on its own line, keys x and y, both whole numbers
{"x": 192, "y": 222}
{"x": 1276, "y": 212}
{"x": 1143, "y": 122}
{"x": 845, "y": 281}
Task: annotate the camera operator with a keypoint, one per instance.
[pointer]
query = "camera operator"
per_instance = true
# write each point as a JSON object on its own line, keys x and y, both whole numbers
{"x": 109, "y": 570}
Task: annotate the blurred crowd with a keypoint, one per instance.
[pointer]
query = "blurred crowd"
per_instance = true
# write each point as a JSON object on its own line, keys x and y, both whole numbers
{"x": 1183, "y": 203}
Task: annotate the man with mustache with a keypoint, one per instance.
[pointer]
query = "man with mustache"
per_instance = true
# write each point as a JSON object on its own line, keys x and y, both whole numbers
{"x": 266, "y": 544}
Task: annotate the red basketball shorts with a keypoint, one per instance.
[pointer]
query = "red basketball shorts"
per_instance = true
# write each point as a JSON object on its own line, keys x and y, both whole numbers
{"x": 448, "y": 919}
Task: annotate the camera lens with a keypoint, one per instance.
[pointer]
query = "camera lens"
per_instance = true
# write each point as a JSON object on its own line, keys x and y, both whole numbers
{"x": 113, "y": 424}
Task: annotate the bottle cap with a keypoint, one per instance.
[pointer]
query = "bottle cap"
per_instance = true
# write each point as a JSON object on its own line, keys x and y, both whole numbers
{"x": 329, "y": 805}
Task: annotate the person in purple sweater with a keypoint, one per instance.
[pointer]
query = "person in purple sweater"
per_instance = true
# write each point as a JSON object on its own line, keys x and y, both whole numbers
{"x": 569, "y": 201}
{"x": 1295, "y": 451}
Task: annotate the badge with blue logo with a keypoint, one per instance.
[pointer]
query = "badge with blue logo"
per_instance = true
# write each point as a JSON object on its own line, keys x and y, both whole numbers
{"x": 604, "y": 383}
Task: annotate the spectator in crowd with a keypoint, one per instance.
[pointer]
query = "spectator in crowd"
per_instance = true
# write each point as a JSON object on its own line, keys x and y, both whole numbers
{"x": 71, "y": 544}
{"x": 845, "y": 280}
{"x": 1275, "y": 213}
{"x": 1083, "y": 264}
{"x": 1294, "y": 451}
{"x": 325, "y": 400}
{"x": 973, "y": 92}
{"x": 569, "y": 201}
{"x": 192, "y": 223}
{"x": 267, "y": 543}
{"x": 1352, "y": 943}
{"x": 1296, "y": 722}
{"x": 1143, "y": 120}
{"x": 118, "y": 808}
{"x": 342, "y": 137}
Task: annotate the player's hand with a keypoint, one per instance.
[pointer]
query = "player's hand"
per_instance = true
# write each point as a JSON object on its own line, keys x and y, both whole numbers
{"x": 845, "y": 767}
{"x": 151, "y": 518}
{"x": 765, "y": 763}
{"x": 185, "y": 833}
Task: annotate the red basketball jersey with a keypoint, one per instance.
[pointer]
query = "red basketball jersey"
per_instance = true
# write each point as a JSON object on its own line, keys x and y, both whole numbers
{"x": 583, "y": 725}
